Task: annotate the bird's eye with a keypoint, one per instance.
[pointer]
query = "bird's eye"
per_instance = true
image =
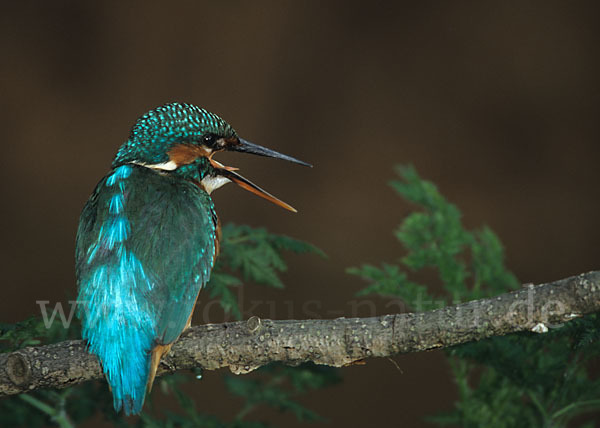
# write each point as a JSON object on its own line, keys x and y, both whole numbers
{"x": 209, "y": 140}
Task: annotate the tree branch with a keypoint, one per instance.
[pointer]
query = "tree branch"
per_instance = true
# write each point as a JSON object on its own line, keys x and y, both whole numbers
{"x": 244, "y": 346}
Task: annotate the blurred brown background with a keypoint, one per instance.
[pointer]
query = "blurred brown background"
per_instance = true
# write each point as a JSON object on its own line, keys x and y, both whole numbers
{"x": 496, "y": 102}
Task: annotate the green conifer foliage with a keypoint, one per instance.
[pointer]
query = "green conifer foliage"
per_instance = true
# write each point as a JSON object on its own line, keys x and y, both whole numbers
{"x": 520, "y": 380}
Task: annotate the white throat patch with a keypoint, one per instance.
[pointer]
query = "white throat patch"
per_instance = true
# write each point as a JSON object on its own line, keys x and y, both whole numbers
{"x": 211, "y": 183}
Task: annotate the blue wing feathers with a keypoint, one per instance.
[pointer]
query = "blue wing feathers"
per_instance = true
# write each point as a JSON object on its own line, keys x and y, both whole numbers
{"x": 145, "y": 247}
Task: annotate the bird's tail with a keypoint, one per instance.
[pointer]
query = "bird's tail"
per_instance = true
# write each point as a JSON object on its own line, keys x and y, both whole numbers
{"x": 126, "y": 363}
{"x": 119, "y": 325}
{"x": 124, "y": 349}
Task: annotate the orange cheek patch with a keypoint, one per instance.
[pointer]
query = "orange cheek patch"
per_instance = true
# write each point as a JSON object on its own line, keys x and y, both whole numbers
{"x": 184, "y": 154}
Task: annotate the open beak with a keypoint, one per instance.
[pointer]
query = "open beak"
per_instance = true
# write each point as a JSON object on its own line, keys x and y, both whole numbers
{"x": 241, "y": 145}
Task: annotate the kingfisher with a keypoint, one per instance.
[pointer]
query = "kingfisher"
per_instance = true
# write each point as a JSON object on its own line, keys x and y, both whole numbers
{"x": 147, "y": 241}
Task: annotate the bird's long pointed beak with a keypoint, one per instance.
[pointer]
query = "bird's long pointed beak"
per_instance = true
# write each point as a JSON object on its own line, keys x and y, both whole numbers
{"x": 229, "y": 173}
{"x": 244, "y": 146}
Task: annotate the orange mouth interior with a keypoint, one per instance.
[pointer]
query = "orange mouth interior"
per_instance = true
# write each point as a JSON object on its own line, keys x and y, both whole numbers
{"x": 244, "y": 183}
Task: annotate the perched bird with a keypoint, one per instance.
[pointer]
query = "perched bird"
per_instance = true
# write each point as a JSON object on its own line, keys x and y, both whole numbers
{"x": 147, "y": 240}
